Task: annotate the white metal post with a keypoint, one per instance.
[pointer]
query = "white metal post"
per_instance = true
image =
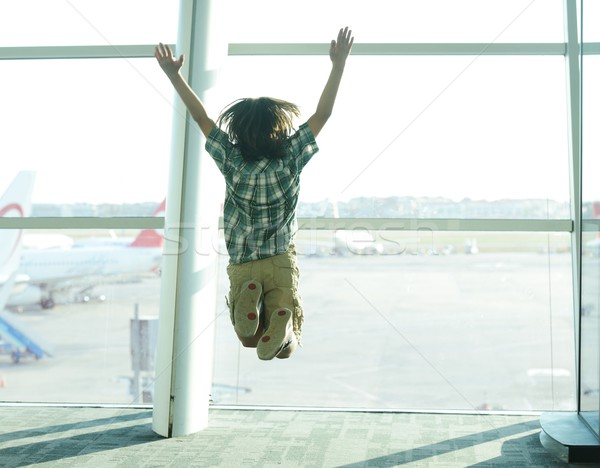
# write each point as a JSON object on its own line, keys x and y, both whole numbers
{"x": 188, "y": 291}
{"x": 573, "y": 76}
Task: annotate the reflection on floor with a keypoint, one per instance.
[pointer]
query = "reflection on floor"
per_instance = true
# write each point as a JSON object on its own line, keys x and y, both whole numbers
{"x": 55, "y": 436}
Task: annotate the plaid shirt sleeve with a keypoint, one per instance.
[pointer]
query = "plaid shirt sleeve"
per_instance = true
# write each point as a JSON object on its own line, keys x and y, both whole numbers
{"x": 303, "y": 145}
{"x": 218, "y": 146}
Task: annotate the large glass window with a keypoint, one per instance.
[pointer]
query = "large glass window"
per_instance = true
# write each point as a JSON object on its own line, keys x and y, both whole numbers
{"x": 80, "y": 22}
{"x": 435, "y": 136}
{"x": 95, "y": 131}
{"x": 590, "y": 140}
{"x": 590, "y": 263}
{"x": 422, "y": 320}
{"x": 80, "y": 321}
{"x": 591, "y": 24}
{"x": 413, "y": 319}
{"x": 423, "y": 309}
{"x": 392, "y": 21}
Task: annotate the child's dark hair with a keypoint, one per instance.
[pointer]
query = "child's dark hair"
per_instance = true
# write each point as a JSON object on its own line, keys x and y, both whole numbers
{"x": 259, "y": 127}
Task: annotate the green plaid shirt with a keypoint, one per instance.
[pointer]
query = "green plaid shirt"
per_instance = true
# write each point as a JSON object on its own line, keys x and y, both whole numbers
{"x": 261, "y": 196}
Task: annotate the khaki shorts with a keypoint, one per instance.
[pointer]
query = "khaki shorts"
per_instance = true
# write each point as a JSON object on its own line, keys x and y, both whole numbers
{"x": 278, "y": 276}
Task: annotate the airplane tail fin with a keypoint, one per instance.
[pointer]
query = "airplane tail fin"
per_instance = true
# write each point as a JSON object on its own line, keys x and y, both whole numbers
{"x": 596, "y": 208}
{"x": 150, "y": 237}
{"x": 15, "y": 202}
{"x": 160, "y": 211}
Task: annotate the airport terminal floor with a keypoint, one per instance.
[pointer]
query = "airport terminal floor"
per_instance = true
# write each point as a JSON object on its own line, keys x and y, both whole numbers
{"x": 123, "y": 437}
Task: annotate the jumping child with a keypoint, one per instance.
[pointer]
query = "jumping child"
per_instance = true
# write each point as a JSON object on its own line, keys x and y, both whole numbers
{"x": 261, "y": 157}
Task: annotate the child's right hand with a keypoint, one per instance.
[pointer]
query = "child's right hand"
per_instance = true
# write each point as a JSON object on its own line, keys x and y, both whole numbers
{"x": 166, "y": 60}
{"x": 340, "y": 49}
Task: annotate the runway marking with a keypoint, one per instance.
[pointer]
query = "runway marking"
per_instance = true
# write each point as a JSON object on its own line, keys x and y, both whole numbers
{"x": 336, "y": 379}
{"x": 367, "y": 395}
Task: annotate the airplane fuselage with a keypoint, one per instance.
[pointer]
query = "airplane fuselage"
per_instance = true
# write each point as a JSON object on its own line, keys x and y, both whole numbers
{"x": 54, "y": 265}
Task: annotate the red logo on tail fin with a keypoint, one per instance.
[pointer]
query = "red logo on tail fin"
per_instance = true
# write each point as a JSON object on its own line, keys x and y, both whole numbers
{"x": 10, "y": 207}
{"x": 7, "y": 209}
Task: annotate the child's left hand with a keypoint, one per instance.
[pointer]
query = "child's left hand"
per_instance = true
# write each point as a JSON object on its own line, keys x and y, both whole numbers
{"x": 166, "y": 60}
{"x": 339, "y": 50}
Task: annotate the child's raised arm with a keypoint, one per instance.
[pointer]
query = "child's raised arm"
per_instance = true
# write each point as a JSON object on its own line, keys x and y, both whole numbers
{"x": 338, "y": 52}
{"x": 193, "y": 103}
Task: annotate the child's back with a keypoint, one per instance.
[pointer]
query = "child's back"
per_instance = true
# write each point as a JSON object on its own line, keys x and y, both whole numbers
{"x": 261, "y": 158}
{"x": 262, "y": 193}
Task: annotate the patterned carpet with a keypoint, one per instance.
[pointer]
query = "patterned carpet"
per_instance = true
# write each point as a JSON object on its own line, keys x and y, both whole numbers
{"x": 115, "y": 437}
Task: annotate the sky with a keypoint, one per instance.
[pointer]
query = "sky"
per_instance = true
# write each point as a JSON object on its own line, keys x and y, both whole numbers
{"x": 99, "y": 131}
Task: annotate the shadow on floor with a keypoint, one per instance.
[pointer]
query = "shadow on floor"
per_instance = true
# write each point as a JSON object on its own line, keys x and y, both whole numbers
{"x": 52, "y": 449}
{"x": 519, "y": 452}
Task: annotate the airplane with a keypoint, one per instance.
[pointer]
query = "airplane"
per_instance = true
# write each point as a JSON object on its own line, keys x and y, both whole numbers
{"x": 55, "y": 275}
{"x": 52, "y": 272}
{"x": 15, "y": 339}
{"x": 360, "y": 241}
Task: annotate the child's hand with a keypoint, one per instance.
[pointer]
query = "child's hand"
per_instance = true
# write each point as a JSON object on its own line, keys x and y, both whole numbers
{"x": 338, "y": 52}
{"x": 166, "y": 61}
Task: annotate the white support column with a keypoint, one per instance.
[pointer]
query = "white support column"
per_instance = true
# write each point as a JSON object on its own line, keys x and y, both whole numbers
{"x": 188, "y": 291}
{"x": 573, "y": 75}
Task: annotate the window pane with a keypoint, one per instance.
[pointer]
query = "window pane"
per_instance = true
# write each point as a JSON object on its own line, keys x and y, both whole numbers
{"x": 590, "y": 330}
{"x": 591, "y": 21}
{"x": 393, "y": 21}
{"x": 83, "y": 22}
{"x": 95, "y": 131}
{"x": 442, "y": 130}
{"x": 590, "y": 267}
{"x": 429, "y": 327}
{"x": 73, "y": 309}
{"x": 590, "y": 136}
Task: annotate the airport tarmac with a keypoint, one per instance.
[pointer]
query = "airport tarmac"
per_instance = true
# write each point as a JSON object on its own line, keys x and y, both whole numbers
{"x": 454, "y": 332}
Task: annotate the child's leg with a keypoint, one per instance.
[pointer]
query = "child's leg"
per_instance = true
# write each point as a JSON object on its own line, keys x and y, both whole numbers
{"x": 278, "y": 339}
{"x": 283, "y": 313}
{"x": 247, "y": 308}
{"x": 245, "y": 303}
